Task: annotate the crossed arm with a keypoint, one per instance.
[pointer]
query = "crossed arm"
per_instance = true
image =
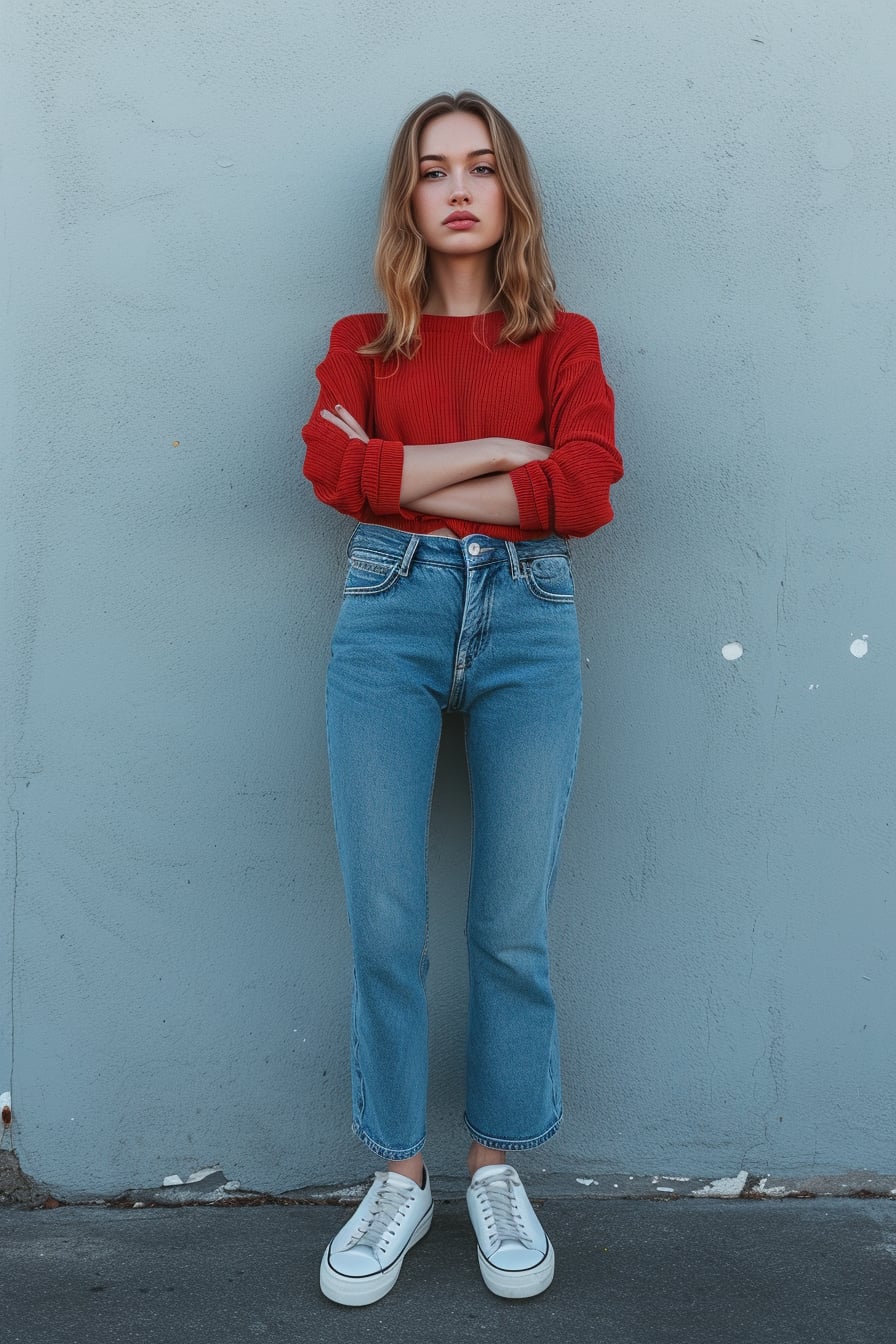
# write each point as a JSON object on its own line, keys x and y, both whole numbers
{"x": 469, "y": 479}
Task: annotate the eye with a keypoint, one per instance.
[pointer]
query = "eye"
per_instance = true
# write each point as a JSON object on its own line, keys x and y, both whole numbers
{"x": 430, "y": 173}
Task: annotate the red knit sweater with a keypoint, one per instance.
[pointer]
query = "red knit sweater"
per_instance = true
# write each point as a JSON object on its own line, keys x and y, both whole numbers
{"x": 461, "y": 385}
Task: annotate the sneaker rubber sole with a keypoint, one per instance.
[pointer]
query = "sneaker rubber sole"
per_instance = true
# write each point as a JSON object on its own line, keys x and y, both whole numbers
{"x": 518, "y": 1282}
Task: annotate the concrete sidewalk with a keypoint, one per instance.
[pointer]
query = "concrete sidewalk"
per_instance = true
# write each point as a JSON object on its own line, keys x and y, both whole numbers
{"x": 629, "y": 1271}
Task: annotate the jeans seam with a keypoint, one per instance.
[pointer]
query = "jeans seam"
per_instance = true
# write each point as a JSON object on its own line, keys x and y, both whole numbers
{"x": 472, "y": 836}
{"x": 354, "y": 1053}
{"x": 471, "y": 860}
{"x": 356, "y": 1050}
{"x": 432, "y": 783}
{"x": 555, "y": 858}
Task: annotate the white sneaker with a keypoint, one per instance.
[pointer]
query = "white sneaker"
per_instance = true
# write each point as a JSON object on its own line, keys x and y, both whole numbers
{"x": 363, "y": 1260}
{"x": 516, "y": 1258}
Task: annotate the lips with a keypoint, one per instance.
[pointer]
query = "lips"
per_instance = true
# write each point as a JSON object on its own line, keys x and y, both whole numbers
{"x": 460, "y": 215}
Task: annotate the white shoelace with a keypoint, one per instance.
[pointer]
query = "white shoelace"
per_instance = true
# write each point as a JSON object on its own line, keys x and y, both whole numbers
{"x": 379, "y": 1223}
{"x": 503, "y": 1216}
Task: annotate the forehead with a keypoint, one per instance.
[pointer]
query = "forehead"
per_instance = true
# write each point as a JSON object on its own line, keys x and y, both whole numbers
{"x": 454, "y": 133}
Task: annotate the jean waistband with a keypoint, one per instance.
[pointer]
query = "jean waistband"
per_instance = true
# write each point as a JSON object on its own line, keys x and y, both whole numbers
{"x": 463, "y": 552}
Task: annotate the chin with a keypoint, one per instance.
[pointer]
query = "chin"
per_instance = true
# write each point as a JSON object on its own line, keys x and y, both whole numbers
{"x": 465, "y": 242}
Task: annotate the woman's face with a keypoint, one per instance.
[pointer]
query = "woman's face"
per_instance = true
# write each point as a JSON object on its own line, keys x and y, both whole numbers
{"x": 457, "y": 173}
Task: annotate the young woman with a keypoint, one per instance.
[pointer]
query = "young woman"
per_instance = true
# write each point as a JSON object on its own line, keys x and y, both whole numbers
{"x": 469, "y": 431}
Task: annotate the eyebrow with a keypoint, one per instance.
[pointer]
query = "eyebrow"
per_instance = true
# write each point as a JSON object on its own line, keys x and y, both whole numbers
{"x": 473, "y": 154}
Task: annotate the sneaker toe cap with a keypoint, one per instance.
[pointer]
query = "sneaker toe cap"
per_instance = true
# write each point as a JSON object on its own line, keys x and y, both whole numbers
{"x": 513, "y": 1255}
{"x": 354, "y": 1263}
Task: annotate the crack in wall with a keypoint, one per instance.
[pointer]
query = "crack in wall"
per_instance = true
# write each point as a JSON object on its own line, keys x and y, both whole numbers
{"x": 12, "y": 955}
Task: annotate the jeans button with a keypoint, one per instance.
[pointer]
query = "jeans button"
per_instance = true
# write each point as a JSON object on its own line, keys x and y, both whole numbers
{"x": 474, "y": 548}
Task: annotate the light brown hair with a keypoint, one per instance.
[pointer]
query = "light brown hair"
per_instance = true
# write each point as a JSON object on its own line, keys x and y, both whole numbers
{"x": 525, "y": 284}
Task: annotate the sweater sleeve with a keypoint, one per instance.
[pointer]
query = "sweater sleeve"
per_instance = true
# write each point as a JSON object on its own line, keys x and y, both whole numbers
{"x": 354, "y": 477}
{"x": 569, "y": 493}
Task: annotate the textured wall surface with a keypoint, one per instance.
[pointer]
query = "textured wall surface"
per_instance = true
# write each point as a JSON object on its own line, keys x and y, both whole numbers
{"x": 190, "y": 201}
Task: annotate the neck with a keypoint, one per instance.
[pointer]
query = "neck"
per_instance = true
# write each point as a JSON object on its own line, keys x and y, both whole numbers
{"x": 460, "y": 286}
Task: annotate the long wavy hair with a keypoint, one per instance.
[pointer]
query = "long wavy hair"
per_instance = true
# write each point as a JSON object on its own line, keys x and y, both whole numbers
{"x": 524, "y": 280}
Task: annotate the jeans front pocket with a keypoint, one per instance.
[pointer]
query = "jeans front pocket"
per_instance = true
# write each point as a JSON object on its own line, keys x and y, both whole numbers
{"x": 549, "y": 577}
{"x": 370, "y": 572}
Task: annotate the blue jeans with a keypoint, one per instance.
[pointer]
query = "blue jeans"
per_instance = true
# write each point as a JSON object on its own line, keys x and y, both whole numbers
{"x": 488, "y": 629}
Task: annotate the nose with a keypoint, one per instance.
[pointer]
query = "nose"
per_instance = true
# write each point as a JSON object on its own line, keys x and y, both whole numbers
{"x": 459, "y": 194}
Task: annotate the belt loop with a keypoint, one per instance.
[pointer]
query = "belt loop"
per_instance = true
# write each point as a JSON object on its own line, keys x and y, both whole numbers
{"x": 514, "y": 559}
{"x": 348, "y": 544}
{"x": 408, "y": 554}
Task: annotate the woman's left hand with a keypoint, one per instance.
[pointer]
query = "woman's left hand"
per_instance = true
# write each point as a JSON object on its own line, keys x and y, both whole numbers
{"x": 347, "y": 423}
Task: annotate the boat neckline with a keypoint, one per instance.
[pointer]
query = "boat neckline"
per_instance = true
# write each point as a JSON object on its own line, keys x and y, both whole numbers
{"x": 445, "y": 317}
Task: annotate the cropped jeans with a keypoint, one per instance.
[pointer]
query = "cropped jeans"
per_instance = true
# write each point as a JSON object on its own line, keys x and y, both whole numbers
{"x": 487, "y": 629}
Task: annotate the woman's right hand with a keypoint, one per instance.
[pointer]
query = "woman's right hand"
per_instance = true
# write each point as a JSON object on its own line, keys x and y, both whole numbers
{"x": 345, "y": 421}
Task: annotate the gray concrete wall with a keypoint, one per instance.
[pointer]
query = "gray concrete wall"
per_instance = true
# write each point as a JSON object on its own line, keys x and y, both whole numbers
{"x": 190, "y": 202}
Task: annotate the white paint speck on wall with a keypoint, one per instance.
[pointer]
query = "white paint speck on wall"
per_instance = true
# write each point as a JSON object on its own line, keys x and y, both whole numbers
{"x": 726, "y": 1186}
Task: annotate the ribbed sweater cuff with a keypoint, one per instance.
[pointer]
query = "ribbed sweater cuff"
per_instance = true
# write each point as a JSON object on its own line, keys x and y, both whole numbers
{"x": 528, "y": 486}
{"x": 381, "y": 475}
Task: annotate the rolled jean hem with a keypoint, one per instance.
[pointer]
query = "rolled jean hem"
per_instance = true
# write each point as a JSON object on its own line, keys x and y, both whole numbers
{"x": 390, "y": 1154}
{"x": 505, "y": 1145}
